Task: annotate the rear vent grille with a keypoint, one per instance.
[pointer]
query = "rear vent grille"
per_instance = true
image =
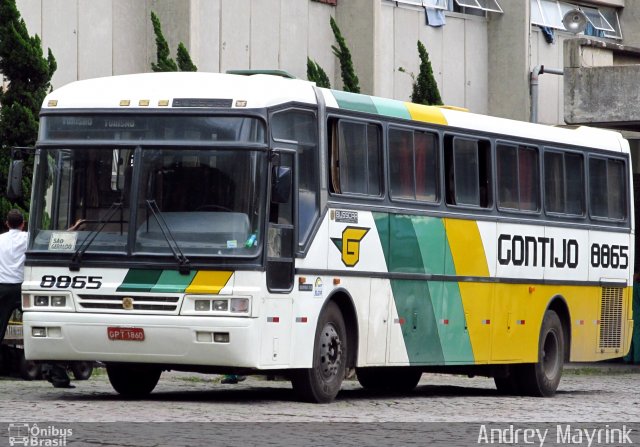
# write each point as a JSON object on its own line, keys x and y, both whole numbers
{"x": 611, "y": 318}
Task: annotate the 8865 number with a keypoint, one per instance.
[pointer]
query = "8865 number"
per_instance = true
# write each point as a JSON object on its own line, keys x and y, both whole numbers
{"x": 75, "y": 282}
{"x": 609, "y": 256}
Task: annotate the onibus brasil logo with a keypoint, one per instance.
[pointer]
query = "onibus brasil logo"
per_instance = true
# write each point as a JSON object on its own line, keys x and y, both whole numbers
{"x": 33, "y": 435}
{"x": 349, "y": 245}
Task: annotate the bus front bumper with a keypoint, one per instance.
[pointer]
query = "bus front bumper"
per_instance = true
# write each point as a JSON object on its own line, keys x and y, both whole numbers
{"x": 159, "y": 339}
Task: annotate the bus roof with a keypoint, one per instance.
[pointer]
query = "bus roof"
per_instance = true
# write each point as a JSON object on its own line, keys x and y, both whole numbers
{"x": 198, "y": 89}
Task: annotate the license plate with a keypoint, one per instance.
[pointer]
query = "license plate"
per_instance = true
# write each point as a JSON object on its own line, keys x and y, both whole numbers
{"x": 125, "y": 333}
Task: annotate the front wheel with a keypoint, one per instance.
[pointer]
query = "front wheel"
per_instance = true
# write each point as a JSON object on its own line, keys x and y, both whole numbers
{"x": 82, "y": 370}
{"x": 133, "y": 380}
{"x": 321, "y": 383}
{"x": 541, "y": 379}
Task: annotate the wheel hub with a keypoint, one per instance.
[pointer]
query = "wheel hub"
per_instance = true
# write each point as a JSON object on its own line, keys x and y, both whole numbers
{"x": 330, "y": 351}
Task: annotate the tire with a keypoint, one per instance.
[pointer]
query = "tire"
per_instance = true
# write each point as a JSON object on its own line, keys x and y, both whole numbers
{"x": 82, "y": 370}
{"x": 28, "y": 369}
{"x": 393, "y": 379}
{"x": 133, "y": 380}
{"x": 321, "y": 383}
{"x": 541, "y": 379}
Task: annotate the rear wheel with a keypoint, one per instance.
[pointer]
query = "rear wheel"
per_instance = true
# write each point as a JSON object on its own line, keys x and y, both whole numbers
{"x": 403, "y": 379}
{"x": 542, "y": 378}
{"x": 133, "y": 380}
{"x": 82, "y": 370}
{"x": 321, "y": 383}
{"x": 28, "y": 369}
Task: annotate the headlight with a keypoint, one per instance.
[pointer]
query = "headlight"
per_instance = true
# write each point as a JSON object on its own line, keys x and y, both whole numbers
{"x": 203, "y": 305}
{"x": 41, "y": 300}
{"x": 220, "y": 305}
{"x": 58, "y": 301}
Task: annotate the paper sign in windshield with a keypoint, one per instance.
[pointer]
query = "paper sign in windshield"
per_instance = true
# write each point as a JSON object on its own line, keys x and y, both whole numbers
{"x": 63, "y": 241}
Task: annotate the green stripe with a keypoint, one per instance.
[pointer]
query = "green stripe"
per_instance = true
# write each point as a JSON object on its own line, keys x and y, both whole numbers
{"x": 431, "y": 239}
{"x": 138, "y": 280}
{"x": 171, "y": 281}
{"x": 454, "y": 338}
{"x": 390, "y": 107}
{"x": 354, "y": 101}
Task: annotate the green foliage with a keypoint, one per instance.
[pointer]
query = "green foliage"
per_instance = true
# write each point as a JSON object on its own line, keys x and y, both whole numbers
{"x": 165, "y": 62}
{"x": 349, "y": 78}
{"x": 184, "y": 59}
{"x": 425, "y": 88}
{"x": 316, "y": 74}
{"x": 28, "y": 74}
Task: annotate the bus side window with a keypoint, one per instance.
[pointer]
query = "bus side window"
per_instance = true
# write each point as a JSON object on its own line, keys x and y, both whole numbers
{"x": 356, "y": 158}
{"x": 564, "y": 183}
{"x": 468, "y": 171}
{"x": 518, "y": 177}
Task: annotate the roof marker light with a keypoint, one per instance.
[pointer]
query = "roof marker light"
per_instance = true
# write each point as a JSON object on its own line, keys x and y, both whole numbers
{"x": 143, "y": 102}
{"x": 125, "y": 102}
{"x": 163, "y": 103}
{"x": 52, "y": 103}
{"x": 241, "y": 103}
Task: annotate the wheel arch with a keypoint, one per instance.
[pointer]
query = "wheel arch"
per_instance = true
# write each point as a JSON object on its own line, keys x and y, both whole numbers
{"x": 559, "y": 305}
{"x": 345, "y": 303}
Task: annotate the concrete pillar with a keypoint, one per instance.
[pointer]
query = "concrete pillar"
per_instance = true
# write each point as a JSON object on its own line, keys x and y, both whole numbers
{"x": 509, "y": 61}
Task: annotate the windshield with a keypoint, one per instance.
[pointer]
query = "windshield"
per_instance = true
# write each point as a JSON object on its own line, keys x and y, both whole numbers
{"x": 148, "y": 200}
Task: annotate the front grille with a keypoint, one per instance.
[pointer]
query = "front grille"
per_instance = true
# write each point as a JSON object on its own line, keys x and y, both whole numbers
{"x": 140, "y": 303}
{"x": 611, "y": 318}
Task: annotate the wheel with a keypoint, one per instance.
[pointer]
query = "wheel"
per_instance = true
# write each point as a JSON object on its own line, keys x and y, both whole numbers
{"x": 321, "y": 383}
{"x": 28, "y": 370}
{"x": 82, "y": 370}
{"x": 133, "y": 380}
{"x": 402, "y": 379}
{"x": 542, "y": 378}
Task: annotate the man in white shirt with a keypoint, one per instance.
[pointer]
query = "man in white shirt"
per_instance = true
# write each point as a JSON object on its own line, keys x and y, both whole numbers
{"x": 13, "y": 245}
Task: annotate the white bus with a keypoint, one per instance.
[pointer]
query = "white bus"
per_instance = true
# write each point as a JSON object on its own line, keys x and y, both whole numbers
{"x": 258, "y": 224}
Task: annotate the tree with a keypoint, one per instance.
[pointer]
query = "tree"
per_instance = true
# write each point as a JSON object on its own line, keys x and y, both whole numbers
{"x": 316, "y": 74}
{"x": 425, "y": 88}
{"x": 165, "y": 62}
{"x": 28, "y": 75}
{"x": 349, "y": 78}
{"x": 184, "y": 59}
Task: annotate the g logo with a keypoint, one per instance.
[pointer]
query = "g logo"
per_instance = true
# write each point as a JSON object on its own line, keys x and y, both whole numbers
{"x": 127, "y": 303}
{"x": 349, "y": 245}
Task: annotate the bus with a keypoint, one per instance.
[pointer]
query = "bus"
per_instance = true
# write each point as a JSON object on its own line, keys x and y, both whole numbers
{"x": 257, "y": 224}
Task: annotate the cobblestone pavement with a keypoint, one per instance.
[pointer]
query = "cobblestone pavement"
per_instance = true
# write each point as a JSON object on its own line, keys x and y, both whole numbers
{"x": 584, "y": 395}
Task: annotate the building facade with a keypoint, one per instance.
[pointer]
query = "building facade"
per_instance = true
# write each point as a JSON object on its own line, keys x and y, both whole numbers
{"x": 482, "y": 51}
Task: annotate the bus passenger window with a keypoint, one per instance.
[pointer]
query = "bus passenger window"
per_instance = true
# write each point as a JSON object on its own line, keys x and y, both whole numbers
{"x": 468, "y": 171}
{"x": 564, "y": 183}
{"x": 518, "y": 177}
{"x": 356, "y": 161}
{"x": 607, "y": 188}
{"x": 413, "y": 165}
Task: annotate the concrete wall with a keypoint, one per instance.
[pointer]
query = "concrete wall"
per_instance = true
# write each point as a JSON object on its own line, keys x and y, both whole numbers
{"x": 458, "y": 53}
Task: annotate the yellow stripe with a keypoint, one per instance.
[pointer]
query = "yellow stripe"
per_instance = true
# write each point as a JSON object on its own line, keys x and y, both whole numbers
{"x": 209, "y": 282}
{"x": 428, "y": 114}
{"x": 466, "y": 247}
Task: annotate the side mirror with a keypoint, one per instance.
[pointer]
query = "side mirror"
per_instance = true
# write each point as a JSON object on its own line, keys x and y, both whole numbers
{"x": 14, "y": 180}
{"x": 281, "y": 182}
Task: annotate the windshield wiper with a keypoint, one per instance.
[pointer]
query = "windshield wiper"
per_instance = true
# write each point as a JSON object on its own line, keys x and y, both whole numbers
{"x": 74, "y": 265}
{"x": 183, "y": 263}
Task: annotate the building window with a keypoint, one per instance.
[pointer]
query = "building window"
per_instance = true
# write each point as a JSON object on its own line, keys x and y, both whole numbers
{"x": 601, "y": 21}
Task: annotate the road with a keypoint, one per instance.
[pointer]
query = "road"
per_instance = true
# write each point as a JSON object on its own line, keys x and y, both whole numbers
{"x": 584, "y": 396}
